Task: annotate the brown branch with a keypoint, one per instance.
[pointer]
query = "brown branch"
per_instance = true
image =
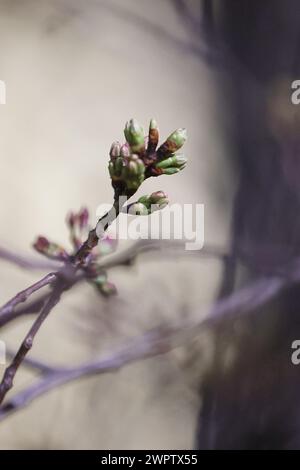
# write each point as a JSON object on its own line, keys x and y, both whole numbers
{"x": 10, "y": 372}
{"x": 92, "y": 240}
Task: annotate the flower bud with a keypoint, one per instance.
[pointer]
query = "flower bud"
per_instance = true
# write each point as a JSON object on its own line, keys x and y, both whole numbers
{"x": 177, "y": 161}
{"x": 71, "y": 220}
{"x": 137, "y": 208}
{"x": 83, "y": 217}
{"x": 133, "y": 172}
{"x": 111, "y": 169}
{"x": 119, "y": 163}
{"x": 115, "y": 168}
{"x": 157, "y": 196}
{"x": 107, "y": 289}
{"x": 170, "y": 171}
{"x": 145, "y": 200}
{"x": 41, "y": 244}
{"x": 153, "y": 137}
{"x": 125, "y": 151}
{"x": 49, "y": 249}
{"x": 158, "y": 201}
{"x": 134, "y": 134}
{"x": 115, "y": 150}
{"x": 148, "y": 204}
{"x": 173, "y": 143}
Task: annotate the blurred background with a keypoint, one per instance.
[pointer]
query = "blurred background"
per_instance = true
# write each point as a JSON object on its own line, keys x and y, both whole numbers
{"x": 75, "y": 72}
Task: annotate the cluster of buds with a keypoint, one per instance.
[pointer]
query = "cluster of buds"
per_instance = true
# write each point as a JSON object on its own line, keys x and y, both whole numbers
{"x": 130, "y": 164}
{"x": 133, "y": 172}
{"x": 78, "y": 224}
{"x": 138, "y": 159}
{"x": 146, "y": 205}
{"x": 126, "y": 169}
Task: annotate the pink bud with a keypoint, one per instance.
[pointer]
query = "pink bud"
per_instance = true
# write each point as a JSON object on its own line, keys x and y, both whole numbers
{"x": 42, "y": 244}
{"x": 71, "y": 219}
{"x": 83, "y": 217}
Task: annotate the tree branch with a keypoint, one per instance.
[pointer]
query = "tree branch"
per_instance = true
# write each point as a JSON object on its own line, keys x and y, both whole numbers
{"x": 26, "y": 293}
{"x": 10, "y": 372}
{"x": 26, "y": 263}
{"x": 159, "y": 341}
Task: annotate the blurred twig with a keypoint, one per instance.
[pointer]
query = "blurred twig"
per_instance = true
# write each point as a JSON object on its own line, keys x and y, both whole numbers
{"x": 26, "y": 263}
{"x": 153, "y": 343}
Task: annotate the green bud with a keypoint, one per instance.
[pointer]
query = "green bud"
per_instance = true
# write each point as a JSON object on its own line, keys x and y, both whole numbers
{"x": 119, "y": 163}
{"x": 158, "y": 197}
{"x": 134, "y": 134}
{"x": 137, "y": 208}
{"x": 177, "y": 161}
{"x": 115, "y": 150}
{"x": 111, "y": 169}
{"x": 158, "y": 201}
{"x": 173, "y": 143}
{"x": 170, "y": 171}
{"x": 145, "y": 200}
{"x": 133, "y": 172}
{"x": 153, "y": 202}
{"x": 132, "y": 168}
{"x": 153, "y": 125}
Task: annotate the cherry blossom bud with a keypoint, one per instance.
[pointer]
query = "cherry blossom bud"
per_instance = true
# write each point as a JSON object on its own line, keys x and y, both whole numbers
{"x": 176, "y": 161}
{"x": 115, "y": 150}
{"x": 83, "y": 217}
{"x": 137, "y": 208}
{"x": 134, "y": 134}
{"x": 173, "y": 143}
{"x": 49, "y": 249}
{"x": 153, "y": 137}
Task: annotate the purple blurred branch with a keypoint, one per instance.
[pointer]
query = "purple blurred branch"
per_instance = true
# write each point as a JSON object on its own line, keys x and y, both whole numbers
{"x": 26, "y": 263}
{"x": 22, "y": 296}
{"x": 159, "y": 341}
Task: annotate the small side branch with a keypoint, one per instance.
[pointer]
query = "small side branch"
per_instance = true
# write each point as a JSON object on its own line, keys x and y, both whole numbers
{"x": 10, "y": 372}
{"x": 26, "y": 293}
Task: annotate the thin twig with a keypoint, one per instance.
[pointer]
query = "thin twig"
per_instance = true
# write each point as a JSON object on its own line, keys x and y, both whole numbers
{"x": 10, "y": 372}
{"x": 162, "y": 341}
{"x": 26, "y": 293}
{"x": 151, "y": 344}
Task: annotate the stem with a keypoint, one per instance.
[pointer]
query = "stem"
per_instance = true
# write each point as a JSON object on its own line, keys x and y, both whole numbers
{"x": 10, "y": 372}
{"x": 25, "y": 263}
{"x": 102, "y": 225}
{"x": 24, "y": 294}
